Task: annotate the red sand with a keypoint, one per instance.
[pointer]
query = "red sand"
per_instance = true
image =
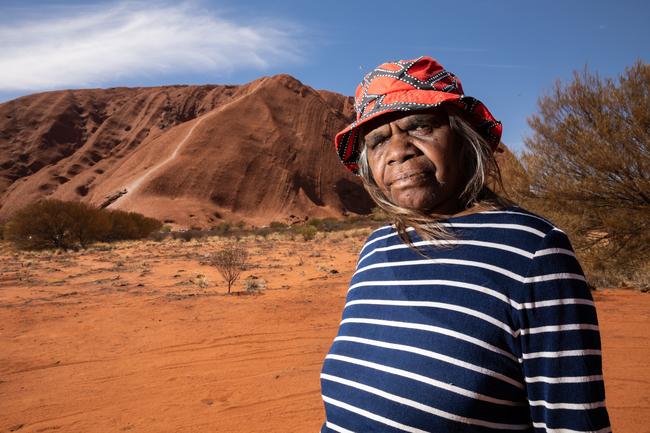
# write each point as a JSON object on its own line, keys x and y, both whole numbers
{"x": 127, "y": 339}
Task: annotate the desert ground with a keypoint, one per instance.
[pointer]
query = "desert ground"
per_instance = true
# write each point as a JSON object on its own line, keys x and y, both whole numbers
{"x": 142, "y": 337}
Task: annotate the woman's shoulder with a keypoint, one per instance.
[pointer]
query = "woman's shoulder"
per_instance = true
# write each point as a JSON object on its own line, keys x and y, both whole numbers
{"x": 509, "y": 225}
{"x": 514, "y": 216}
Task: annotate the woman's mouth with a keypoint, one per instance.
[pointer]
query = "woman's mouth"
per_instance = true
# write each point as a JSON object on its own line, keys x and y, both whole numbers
{"x": 409, "y": 178}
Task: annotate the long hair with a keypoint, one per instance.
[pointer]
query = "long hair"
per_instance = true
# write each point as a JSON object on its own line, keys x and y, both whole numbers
{"x": 482, "y": 178}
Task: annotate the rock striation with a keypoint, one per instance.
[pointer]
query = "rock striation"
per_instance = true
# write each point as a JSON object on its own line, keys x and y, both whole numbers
{"x": 191, "y": 155}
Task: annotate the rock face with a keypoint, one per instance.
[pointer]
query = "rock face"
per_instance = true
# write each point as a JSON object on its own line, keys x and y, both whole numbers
{"x": 193, "y": 155}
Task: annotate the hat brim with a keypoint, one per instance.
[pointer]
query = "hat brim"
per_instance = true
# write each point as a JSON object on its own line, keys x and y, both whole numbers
{"x": 348, "y": 143}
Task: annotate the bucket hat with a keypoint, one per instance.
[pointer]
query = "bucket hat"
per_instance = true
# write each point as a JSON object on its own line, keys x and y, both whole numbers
{"x": 409, "y": 85}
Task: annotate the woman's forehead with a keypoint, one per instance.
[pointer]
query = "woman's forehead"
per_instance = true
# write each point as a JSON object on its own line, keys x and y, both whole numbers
{"x": 400, "y": 116}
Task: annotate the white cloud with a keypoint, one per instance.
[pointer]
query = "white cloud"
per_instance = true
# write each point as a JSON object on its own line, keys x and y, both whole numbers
{"x": 129, "y": 40}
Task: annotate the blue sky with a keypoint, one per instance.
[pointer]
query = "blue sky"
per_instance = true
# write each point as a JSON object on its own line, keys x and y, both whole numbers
{"x": 506, "y": 52}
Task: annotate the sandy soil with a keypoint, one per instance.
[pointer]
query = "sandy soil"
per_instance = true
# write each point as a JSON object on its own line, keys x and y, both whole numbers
{"x": 142, "y": 337}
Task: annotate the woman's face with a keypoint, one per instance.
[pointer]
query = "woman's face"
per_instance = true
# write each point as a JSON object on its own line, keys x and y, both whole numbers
{"x": 415, "y": 160}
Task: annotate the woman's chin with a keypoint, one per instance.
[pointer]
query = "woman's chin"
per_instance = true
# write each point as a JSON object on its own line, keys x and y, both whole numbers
{"x": 425, "y": 202}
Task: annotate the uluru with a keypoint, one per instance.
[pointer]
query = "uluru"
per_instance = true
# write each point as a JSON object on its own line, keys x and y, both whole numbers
{"x": 188, "y": 155}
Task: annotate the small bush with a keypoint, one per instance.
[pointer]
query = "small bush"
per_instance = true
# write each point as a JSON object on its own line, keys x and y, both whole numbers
{"x": 222, "y": 229}
{"x": 159, "y": 236}
{"x": 308, "y": 232}
{"x": 264, "y": 231}
{"x": 188, "y": 235}
{"x": 230, "y": 261}
{"x": 254, "y": 284}
{"x": 278, "y": 226}
{"x": 326, "y": 224}
{"x": 378, "y": 215}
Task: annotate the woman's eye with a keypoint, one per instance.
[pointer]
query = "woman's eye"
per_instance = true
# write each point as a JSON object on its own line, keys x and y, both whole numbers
{"x": 377, "y": 141}
{"x": 422, "y": 128}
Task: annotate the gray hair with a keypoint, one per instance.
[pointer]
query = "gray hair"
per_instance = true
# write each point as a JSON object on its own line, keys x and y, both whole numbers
{"x": 482, "y": 177}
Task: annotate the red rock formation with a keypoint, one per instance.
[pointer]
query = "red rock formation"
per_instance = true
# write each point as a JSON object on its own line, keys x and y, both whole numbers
{"x": 191, "y": 154}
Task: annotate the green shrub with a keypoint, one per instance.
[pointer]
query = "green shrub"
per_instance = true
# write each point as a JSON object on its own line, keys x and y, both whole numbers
{"x": 130, "y": 225}
{"x": 378, "y": 215}
{"x": 61, "y": 224}
{"x": 308, "y": 232}
{"x": 222, "y": 229}
{"x": 278, "y": 226}
{"x": 40, "y": 225}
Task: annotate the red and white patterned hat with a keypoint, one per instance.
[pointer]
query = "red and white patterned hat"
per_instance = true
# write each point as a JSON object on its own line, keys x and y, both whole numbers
{"x": 408, "y": 85}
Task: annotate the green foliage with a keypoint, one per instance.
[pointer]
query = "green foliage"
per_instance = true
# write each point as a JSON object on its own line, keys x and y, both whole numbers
{"x": 326, "y": 224}
{"x": 188, "y": 235}
{"x": 278, "y": 226}
{"x": 130, "y": 225}
{"x": 378, "y": 215}
{"x": 54, "y": 223}
{"x": 222, "y": 229}
{"x": 308, "y": 232}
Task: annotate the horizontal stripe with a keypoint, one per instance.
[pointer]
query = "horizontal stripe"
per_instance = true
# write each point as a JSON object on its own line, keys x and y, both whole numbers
{"x": 434, "y": 329}
{"x": 465, "y": 310}
{"x": 548, "y": 251}
{"x": 564, "y": 379}
{"x": 445, "y": 242}
{"x": 475, "y": 287}
{"x": 472, "y": 263}
{"x": 423, "y": 407}
{"x": 497, "y": 226}
{"x": 427, "y": 380}
{"x": 433, "y": 355}
{"x": 558, "y": 276}
{"x": 560, "y": 328}
{"x": 470, "y": 286}
{"x": 379, "y": 238}
{"x": 440, "y": 305}
{"x": 570, "y": 406}
{"x": 510, "y": 212}
{"x": 372, "y": 416}
{"x": 556, "y": 302}
{"x": 607, "y": 429}
{"x": 462, "y": 225}
{"x": 460, "y": 262}
{"x": 561, "y": 353}
{"x": 336, "y": 428}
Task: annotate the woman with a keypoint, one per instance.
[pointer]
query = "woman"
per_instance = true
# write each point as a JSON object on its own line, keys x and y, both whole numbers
{"x": 467, "y": 314}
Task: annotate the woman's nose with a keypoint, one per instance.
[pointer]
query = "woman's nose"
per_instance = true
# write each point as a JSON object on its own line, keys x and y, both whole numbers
{"x": 400, "y": 148}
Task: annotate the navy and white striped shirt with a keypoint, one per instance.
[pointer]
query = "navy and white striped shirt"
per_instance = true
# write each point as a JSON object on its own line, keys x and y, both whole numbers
{"x": 495, "y": 332}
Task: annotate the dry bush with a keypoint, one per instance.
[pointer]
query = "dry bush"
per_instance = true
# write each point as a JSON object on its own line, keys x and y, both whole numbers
{"x": 254, "y": 284}
{"x": 230, "y": 261}
{"x": 588, "y": 161}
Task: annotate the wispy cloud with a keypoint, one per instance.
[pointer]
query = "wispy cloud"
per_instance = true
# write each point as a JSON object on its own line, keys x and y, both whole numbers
{"x": 127, "y": 40}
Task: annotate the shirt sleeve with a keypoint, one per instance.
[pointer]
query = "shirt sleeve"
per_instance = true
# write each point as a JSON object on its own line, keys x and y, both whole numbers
{"x": 560, "y": 343}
